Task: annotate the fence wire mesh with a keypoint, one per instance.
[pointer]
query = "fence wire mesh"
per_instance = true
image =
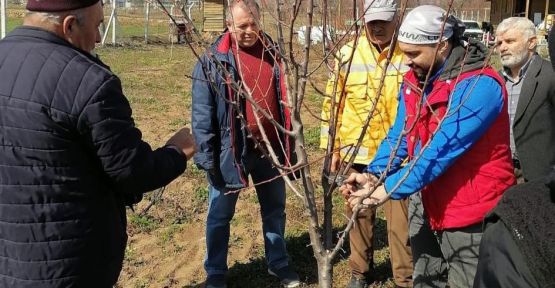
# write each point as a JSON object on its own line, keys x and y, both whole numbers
{"x": 141, "y": 20}
{"x": 136, "y": 20}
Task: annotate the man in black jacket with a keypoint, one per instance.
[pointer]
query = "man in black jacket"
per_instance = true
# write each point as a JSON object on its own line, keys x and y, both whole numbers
{"x": 518, "y": 245}
{"x": 71, "y": 156}
{"x": 529, "y": 82}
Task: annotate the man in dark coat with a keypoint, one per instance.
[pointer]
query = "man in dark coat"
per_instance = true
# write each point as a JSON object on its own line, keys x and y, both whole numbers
{"x": 227, "y": 138}
{"x": 518, "y": 246}
{"x": 72, "y": 158}
{"x": 529, "y": 82}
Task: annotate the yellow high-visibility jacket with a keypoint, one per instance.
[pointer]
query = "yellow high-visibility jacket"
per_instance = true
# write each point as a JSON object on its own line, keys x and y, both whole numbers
{"x": 360, "y": 88}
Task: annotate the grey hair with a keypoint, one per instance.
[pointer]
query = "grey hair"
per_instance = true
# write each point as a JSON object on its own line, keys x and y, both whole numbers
{"x": 52, "y": 18}
{"x": 248, "y": 5}
{"x": 56, "y": 18}
{"x": 521, "y": 24}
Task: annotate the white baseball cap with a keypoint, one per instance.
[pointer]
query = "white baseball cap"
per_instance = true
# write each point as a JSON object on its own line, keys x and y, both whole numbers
{"x": 383, "y": 10}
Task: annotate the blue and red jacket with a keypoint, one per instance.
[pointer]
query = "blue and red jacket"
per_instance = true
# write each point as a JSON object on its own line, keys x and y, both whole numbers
{"x": 457, "y": 146}
{"x": 219, "y": 133}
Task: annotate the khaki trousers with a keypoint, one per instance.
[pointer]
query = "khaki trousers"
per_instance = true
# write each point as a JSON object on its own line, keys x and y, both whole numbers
{"x": 361, "y": 238}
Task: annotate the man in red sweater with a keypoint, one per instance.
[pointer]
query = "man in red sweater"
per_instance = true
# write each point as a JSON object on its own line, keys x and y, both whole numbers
{"x": 228, "y": 126}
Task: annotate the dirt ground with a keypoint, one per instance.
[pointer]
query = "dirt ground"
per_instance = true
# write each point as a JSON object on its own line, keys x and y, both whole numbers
{"x": 166, "y": 244}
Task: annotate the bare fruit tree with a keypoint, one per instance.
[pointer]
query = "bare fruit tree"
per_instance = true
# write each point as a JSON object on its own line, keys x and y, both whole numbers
{"x": 335, "y": 23}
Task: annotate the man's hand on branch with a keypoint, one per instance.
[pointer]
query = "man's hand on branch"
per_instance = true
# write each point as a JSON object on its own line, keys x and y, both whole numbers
{"x": 184, "y": 141}
{"x": 378, "y": 197}
{"x": 335, "y": 162}
{"x": 357, "y": 181}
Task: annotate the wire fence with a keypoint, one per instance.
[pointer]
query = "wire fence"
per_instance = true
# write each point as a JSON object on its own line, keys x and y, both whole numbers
{"x": 135, "y": 20}
{"x": 145, "y": 21}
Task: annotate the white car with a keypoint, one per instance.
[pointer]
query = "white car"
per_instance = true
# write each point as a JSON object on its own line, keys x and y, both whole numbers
{"x": 316, "y": 34}
{"x": 473, "y": 30}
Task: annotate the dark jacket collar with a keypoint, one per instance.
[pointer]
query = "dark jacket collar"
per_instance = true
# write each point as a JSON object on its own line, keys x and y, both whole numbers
{"x": 534, "y": 66}
{"x": 465, "y": 57}
{"x": 529, "y": 85}
{"x": 46, "y": 36}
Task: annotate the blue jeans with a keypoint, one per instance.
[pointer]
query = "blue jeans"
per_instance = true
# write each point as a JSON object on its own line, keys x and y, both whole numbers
{"x": 221, "y": 208}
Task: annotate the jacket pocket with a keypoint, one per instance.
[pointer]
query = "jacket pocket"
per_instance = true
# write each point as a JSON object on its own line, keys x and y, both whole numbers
{"x": 229, "y": 171}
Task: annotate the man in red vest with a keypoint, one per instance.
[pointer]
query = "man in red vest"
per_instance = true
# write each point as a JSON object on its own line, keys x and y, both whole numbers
{"x": 451, "y": 133}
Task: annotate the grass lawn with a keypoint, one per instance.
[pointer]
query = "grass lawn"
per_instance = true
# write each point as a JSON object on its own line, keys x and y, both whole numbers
{"x": 12, "y": 23}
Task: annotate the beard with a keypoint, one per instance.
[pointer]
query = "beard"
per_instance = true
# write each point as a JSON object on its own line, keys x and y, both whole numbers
{"x": 515, "y": 59}
{"x": 421, "y": 72}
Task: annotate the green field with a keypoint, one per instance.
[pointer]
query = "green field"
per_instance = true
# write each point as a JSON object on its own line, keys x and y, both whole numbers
{"x": 12, "y": 23}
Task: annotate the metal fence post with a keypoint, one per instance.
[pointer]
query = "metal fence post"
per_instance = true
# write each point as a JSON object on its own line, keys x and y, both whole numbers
{"x": 147, "y": 18}
{"x": 3, "y": 18}
{"x": 114, "y": 17}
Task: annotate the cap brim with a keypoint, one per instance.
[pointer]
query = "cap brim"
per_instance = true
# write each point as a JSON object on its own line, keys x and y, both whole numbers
{"x": 379, "y": 16}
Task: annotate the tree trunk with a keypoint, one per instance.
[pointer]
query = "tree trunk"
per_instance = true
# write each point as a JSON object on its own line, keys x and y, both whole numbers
{"x": 325, "y": 272}
{"x": 328, "y": 224}
{"x": 325, "y": 268}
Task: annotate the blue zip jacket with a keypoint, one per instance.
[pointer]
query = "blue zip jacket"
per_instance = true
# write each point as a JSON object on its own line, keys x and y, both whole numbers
{"x": 219, "y": 134}
{"x": 467, "y": 119}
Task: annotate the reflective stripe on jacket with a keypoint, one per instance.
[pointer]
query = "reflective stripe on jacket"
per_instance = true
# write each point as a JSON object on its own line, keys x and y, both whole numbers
{"x": 359, "y": 80}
